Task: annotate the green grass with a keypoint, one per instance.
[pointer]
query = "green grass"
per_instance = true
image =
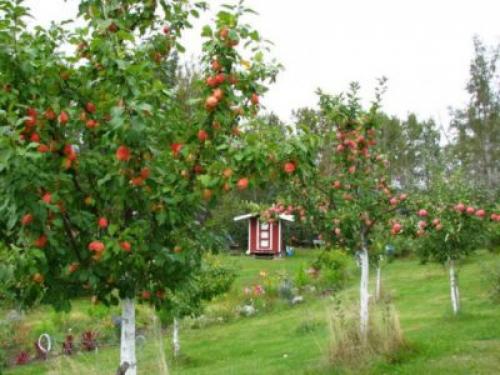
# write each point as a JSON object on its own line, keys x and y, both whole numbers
{"x": 295, "y": 340}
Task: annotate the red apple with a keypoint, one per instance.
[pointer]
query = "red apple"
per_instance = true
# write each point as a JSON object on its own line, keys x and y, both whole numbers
{"x": 123, "y": 153}
{"x": 96, "y": 246}
{"x": 166, "y": 30}
{"x": 63, "y": 118}
{"x": 393, "y": 201}
{"x": 35, "y": 138}
{"x": 470, "y": 210}
{"x": 41, "y": 241}
{"x": 480, "y": 213}
{"x": 216, "y": 65}
{"x": 254, "y": 99}
{"x": 47, "y": 198}
{"x": 125, "y": 246}
{"x": 460, "y": 207}
{"x": 422, "y": 212}
{"x": 145, "y": 173}
{"x": 396, "y": 228}
{"x": 218, "y": 94}
{"x": 242, "y": 183}
{"x": 176, "y": 148}
{"x": 27, "y": 219}
{"x": 211, "y": 103}
{"x": 90, "y": 107}
{"x": 202, "y": 135}
{"x": 50, "y": 114}
{"x": 102, "y": 223}
{"x": 43, "y": 149}
{"x": 289, "y": 167}
{"x": 227, "y": 173}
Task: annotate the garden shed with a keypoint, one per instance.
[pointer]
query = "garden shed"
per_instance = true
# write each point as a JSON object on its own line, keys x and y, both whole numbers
{"x": 266, "y": 237}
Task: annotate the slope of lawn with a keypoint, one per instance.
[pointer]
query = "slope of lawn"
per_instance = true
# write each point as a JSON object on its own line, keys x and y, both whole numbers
{"x": 294, "y": 340}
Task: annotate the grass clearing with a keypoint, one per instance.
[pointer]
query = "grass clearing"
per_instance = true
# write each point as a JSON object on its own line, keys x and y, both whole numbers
{"x": 294, "y": 340}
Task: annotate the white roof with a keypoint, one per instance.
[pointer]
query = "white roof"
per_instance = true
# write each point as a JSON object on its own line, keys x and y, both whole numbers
{"x": 248, "y": 216}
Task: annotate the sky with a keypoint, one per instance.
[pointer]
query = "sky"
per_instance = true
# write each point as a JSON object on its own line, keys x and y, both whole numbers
{"x": 423, "y": 47}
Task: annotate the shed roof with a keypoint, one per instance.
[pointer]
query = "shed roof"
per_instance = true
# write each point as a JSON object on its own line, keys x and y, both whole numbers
{"x": 290, "y": 218}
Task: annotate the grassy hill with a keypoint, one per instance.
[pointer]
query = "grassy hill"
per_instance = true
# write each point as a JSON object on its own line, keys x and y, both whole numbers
{"x": 294, "y": 339}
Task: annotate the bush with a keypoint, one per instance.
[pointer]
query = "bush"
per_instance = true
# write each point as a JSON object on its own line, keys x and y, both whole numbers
{"x": 301, "y": 278}
{"x": 333, "y": 267}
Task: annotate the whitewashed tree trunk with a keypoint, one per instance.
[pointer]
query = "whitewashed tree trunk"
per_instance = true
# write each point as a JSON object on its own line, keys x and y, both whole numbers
{"x": 363, "y": 292}
{"x": 455, "y": 294}
{"x": 378, "y": 282}
{"x": 127, "y": 342}
{"x": 175, "y": 338}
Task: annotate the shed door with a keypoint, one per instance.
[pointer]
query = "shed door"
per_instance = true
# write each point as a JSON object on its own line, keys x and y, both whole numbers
{"x": 265, "y": 236}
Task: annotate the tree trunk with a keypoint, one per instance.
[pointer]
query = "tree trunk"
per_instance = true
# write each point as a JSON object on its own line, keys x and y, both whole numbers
{"x": 175, "y": 338}
{"x": 127, "y": 342}
{"x": 378, "y": 282}
{"x": 363, "y": 292}
{"x": 455, "y": 295}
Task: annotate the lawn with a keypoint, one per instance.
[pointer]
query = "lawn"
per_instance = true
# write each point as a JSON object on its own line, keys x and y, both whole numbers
{"x": 294, "y": 340}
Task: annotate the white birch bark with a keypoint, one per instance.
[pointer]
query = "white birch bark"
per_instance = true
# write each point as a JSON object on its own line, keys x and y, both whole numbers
{"x": 176, "y": 344}
{"x": 455, "y": 295}
{"x": 127, "y": 342}
{"x": 363, "y": 292}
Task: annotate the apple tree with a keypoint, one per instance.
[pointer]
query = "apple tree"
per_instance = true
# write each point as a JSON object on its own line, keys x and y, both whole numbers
{"x": 348, "y": 196}
{"x": 104, "y": 168}
{"x": 449, "y": 224}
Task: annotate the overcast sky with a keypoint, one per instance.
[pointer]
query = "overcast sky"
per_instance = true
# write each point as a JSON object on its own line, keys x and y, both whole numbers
{"x": 424, "y": 47}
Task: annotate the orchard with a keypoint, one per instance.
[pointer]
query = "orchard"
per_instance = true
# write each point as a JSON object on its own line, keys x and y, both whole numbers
{"x": 122, "y": 169}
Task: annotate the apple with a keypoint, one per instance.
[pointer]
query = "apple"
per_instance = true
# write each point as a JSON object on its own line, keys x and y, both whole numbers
{"x": 220, "y": 78}
{"x": 32, "y": 112}
{"x": 352, "y": 169}
{"x": 198, "y": 169}
{"x": 38, "y": 278}
{"x": 402, "y": 197}
{"x": 211, "y": 103}
{"x": 337, "y": 184}
{"x": 41, "y": 241}
{"x": 289, "y": 167}
{"x": 202, "y": 135}
{"x": 422, "y": 224}
{"x": 30, "y": 121}
{"x": 337, "y": 231}
{"x": 480, "y": 213}
{"x": 207, "y": 194}
{"x": 50, "y": 114}
{"x": 96, "y": 246}
{"x": 137, "y": 181}
{"x": 73, "y": 267}
{"x": 470, "y": 210}
{"x": 176, "y": 148}
{"x": 211, "y": 82}
{"x": 422, "y": 212}
{"x": 460, "y": 207}
{"x": 227, "y": 173}
{"x": 223, "y": 32}
{"x": 396, "y": 228}
{"x": 63, "y": 118}
{"x": 35, "y": 138}
{"x": 340, "y": 148}
{"x": 146, "y": 294}
{"x": 436, "y": 221}
{"x": 125, "y": 246}
{"x": 43, "y": 149}
{"x": 91, "y": 124}
{"x": 242, "y": 183}
{"x": 439, "y": 226}
{"x": 145, "y": 173}
{"x": 177, "y": 249}
{"x": 27, "y": 219}
{"x": 254, "y": 99}
{"x": 216, "y": 65}
{"x": 90, "y": 107}
{"x": 113, "y": 28}
{"x": 218, "y": 94}
{"x": 166, "y": 29}
{"x": 102, "y": 223}
{"x": 123, "y": 153}
{"x": 47, "y": 198}
{"x": 393, "y": 201}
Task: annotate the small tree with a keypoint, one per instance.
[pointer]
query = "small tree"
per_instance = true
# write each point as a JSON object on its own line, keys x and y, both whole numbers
{"x": 105, "y": 170}
{"x": 348, "y": 196}
{"x": 449, "y": 226}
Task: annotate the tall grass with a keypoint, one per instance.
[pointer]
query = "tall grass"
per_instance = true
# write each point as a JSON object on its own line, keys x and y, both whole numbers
{"x": 349, "y": 349}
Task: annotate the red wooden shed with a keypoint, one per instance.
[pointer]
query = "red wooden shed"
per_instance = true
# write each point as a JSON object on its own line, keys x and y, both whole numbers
{"x": 265, "y": 238}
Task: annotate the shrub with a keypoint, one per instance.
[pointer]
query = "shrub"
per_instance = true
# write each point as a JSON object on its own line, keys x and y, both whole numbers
{"x": 301, "y": 277}
{"x": 333, "y": 267}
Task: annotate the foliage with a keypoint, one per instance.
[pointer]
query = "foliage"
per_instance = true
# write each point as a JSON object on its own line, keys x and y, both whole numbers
{"x": 491, "y": 278}
{"x": 333, "y": 269}
{"x": 103, "y": 184}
